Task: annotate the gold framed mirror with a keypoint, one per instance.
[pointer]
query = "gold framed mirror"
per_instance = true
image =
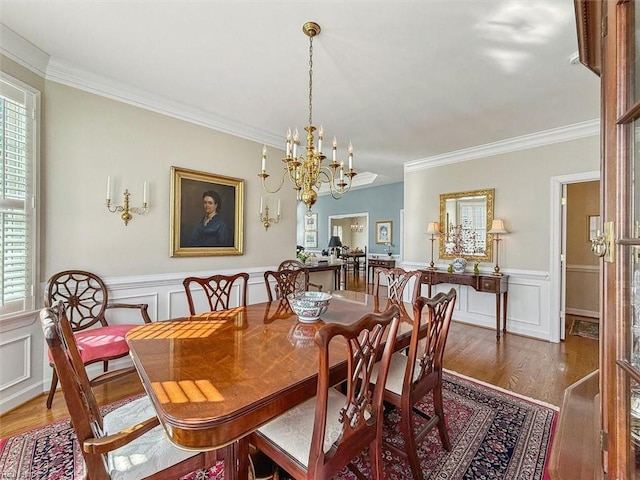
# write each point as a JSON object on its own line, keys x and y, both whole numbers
{"x": 465, "y": 219}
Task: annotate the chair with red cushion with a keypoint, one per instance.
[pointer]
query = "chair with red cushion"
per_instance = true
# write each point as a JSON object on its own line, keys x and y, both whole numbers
{"x": 127, "y": 443}
{"x": 86, "y": 299}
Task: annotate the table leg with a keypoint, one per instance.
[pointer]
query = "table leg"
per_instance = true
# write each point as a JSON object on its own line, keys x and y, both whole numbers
{"x": 242, "y": 447}
{"x": 504, "y": 312}
{"x": 497, "y": 316}
{"x": 231, "y": 465}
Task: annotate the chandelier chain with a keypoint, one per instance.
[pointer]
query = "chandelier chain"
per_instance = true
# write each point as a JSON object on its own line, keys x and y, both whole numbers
{"x": 310, "y": 79}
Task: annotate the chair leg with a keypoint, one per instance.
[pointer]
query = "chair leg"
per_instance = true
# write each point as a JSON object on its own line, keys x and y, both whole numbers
{"x": 375, "y": 454}
{"x": 105, "y": 365}
{"x": 52, "y": 389}
{"x": 442, "y": 424}
{"x": 410, "y": 447}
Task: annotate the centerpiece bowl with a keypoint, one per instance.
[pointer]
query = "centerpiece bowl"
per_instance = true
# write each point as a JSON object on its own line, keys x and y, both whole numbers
{"x": 309, "y": 305}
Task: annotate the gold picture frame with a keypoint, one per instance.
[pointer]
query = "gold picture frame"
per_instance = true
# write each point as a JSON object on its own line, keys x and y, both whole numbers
{"x": 384, "y": 232}
{"x": 222, "y": 234}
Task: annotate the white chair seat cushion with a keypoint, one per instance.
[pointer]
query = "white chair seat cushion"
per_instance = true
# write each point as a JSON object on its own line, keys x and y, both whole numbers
{"x": 395, "y": 378}
{"x": 148, "y": 454}
{"x": 292, "y": 430}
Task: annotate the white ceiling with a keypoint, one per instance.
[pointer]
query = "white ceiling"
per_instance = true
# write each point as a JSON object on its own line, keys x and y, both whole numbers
{"x": 403, "y": 81}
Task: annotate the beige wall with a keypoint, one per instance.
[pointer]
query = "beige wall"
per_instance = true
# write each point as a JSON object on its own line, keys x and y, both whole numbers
{"x": 87, "y": 137}
{"x": 522, "y": 183}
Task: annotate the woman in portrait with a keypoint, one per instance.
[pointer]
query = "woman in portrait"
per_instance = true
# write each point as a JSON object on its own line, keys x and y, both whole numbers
{"x": 211, "y": 230}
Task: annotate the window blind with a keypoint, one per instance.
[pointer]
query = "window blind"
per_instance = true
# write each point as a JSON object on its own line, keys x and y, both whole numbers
{"x": 17, "y": 212}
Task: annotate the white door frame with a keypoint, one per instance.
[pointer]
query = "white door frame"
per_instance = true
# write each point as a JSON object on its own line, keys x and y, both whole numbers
{"x": 349, "y": 215}
{"x": 557, "y": 229}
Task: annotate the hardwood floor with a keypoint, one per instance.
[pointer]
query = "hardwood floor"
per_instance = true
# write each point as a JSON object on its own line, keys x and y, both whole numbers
{"x": 527, "y": 366}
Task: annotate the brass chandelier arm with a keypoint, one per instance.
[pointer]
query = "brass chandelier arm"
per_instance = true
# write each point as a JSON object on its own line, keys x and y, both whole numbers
{"x": 263, "y": 176}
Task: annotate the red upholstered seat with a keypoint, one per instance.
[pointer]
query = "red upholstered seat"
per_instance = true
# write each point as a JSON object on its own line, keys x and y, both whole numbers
{"x": 96, "y": 344}
{"x": 86, "y": 299}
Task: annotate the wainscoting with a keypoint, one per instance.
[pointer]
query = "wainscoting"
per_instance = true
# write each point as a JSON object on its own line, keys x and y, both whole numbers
{"x": 25, "y": 371}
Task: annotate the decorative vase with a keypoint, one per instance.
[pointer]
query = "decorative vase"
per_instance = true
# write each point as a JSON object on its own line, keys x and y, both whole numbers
{"x": 459, "y": 264}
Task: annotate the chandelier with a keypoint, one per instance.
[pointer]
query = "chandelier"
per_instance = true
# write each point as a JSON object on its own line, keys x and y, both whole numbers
{"x": 357, "y": 227}
{"x": 307, "y": 172}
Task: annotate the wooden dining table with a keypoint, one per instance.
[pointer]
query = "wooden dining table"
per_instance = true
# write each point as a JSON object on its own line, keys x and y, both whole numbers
{"x": 213, "y": 378}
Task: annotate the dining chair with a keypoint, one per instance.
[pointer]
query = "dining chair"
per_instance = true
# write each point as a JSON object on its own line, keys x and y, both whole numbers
{"x": 281, "y": 283}
{"x": 86, "y": 299}
{"x": 321, "y": 436}
{"x": 296, "y": 264}
{"x": 218, "y": 290}
{"x": 127, "y": 443}
{"x": 397, "y": 281}
{"x": 414, "y": 375}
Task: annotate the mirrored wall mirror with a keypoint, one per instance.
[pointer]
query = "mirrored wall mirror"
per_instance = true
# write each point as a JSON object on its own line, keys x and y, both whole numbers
{"x": 465, "y": 218}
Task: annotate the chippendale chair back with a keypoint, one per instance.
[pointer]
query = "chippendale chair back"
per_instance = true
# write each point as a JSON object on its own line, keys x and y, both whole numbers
{"x": 398, "y": 280}
{"x": 108, "y": 442}
{"x": 86, "y": 299}
{"x": 218, "y": 290}
{"x": 318, "y": 438}
{"x": 413, "y": 375}
{"x": 281, "y": 283}
{"x": 295, "y": 265}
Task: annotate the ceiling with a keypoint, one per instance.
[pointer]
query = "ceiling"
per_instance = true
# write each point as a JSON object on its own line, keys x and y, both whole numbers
{"x": 403, "y": 81}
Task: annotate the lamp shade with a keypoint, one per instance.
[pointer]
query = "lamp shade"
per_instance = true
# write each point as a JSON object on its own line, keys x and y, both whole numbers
{"x": 334, "y": 241}
{"x": 497, "y": 226}
{"x": 433, "y": 227}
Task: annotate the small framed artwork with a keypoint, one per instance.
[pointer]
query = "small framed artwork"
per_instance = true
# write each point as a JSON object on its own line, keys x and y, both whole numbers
{"x": 311, "y": 239}
{"x": 593, "y": 227}
{"x": 206, "y": 214}
{"x": 311, "y": 222}
{"x": 384, "y": 232}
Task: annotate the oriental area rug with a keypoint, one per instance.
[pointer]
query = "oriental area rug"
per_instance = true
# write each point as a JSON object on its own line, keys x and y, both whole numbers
{"x": 495, "y": 434}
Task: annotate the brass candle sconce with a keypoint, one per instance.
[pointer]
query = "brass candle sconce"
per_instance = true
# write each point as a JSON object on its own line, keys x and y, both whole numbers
{"x": 125, "y": 209}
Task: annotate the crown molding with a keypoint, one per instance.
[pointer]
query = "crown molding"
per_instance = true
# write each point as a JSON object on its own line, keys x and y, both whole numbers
{"x": 83, "y": 80}
{"x": 588, "y": 128}
{"x": 22, "y": 52}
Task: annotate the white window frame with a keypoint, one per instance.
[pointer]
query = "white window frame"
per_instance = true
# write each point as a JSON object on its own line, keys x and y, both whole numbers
{"x": 32, "y": 102}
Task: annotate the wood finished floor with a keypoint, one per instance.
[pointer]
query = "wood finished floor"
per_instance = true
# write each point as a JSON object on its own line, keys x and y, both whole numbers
{"x": 527, "y": 366}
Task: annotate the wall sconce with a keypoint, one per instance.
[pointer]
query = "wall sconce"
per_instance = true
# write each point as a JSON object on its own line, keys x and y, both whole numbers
{"x": 124, "y": 208}
{"x": 264, "y": 214}
{"x": 433, "y": 228}
{"x": 497, "y": 228}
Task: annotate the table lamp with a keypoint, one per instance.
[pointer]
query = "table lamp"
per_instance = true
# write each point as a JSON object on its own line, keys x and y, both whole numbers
{"x": 433, "y": 228}
{"x": 497, "y": 227}
{"x": 334, "y": 242}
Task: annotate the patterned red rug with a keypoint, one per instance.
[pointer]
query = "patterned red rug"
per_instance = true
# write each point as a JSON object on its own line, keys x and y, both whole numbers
{"x": 494, "y": 433}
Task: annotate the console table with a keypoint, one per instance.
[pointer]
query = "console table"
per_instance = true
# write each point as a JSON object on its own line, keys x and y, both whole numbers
{"x": 496, "y": 284}
{"x": 372, "y": 263}
{"x": 337, "y": 268}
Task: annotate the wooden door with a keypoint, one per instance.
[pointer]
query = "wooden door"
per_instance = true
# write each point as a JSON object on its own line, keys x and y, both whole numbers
{"x": 608, "y": 32}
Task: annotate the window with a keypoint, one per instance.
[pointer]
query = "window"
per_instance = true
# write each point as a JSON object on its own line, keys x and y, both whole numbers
{"x": 19, "y": 110}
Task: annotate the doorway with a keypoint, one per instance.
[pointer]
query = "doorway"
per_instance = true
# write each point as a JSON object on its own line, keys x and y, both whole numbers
{"x": 573, "y": 228}
{"x": 352, "y": 228}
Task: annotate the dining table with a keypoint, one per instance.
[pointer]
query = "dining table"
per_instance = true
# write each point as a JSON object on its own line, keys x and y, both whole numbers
{"x": 215, "y": 377}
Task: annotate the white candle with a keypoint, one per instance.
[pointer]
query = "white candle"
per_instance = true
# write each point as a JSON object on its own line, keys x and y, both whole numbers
{"x": 278, "y": 207}
{"x": 144, "y": 192}
{"x": 350, "y": 156}
{"x": 341, "y": 172}
{"x": 295, "y": 143}
{"x": 288, "y": 151}
{"x": 108, "y": 188}
{"x": 320, "y": 136}
{"x": 335, "y": 145}
{"x": 261, "y": 201}
{"x": 264, "y": 158}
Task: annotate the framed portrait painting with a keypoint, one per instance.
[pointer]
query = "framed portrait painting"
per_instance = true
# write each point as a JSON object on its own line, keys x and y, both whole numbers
{"x": 384, "y": 232}
{"x": 206, "y": 214}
